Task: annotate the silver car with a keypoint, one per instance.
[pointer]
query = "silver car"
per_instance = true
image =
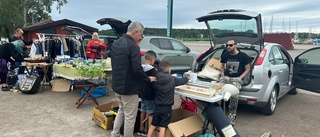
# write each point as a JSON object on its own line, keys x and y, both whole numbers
{"x": 273, "y": 72}
{"x": 180, "y": 57}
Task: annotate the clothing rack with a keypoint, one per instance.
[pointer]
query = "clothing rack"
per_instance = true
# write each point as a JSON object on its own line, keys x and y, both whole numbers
{"x": 43, "y": 36}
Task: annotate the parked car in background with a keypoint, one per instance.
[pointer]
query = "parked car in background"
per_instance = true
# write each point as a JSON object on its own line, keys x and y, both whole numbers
{"x": 180, "y": 57}
{"x": 273, "y": 72}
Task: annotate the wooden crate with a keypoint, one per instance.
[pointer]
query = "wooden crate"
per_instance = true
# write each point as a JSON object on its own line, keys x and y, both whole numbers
{"x": 199, "y": 90}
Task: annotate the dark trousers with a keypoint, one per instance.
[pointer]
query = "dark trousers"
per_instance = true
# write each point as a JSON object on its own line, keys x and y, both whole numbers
{"x": 3, "y": 77}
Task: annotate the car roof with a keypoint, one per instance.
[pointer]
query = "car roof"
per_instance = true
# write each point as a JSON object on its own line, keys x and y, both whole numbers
{"x": 150, "y": 37}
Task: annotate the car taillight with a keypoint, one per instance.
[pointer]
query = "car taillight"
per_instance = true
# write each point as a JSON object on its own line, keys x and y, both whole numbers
{"x": 251, "y": 101}
{"x": 142, "y": 53}
{"x": 199, "y": 56}
{"x": 261, "y": 57}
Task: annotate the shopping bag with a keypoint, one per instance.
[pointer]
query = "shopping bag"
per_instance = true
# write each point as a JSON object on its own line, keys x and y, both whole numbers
{"x": 189, "y": 105}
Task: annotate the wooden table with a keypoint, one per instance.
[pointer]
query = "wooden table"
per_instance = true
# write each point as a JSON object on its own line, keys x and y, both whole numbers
{"x": 87, "y": 93}
{"x": 44, "y": 68}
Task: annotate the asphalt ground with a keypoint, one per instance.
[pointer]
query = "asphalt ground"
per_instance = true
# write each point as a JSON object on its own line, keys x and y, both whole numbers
{"x": 55, "y": 114}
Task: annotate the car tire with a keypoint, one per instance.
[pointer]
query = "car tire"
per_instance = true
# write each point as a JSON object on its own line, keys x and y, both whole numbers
{"x": 293, "y": 91}
{"x": 272, "y": 103}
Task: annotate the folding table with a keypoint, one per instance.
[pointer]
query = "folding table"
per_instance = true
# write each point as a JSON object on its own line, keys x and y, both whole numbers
{"x": 213, "y": 99}
{"x": 87, "y": 93}
{"x": 43, "y": 67}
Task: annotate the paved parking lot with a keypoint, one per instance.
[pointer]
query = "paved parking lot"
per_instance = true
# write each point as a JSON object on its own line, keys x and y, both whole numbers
{"x": 295, "y": 116}
{"x": 55, "y": 114}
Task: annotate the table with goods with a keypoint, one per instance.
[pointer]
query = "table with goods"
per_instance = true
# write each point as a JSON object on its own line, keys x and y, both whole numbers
{"x": 86, "y": 75}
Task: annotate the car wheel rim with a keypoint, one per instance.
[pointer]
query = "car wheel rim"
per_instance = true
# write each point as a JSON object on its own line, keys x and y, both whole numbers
{"x": 273, "y": 100}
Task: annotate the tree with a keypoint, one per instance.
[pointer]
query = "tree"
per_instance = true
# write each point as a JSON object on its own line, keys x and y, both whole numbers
{"x": 19, "y": 13}
{"x": 38, "y": 10}
{"x": 10, "y": 15}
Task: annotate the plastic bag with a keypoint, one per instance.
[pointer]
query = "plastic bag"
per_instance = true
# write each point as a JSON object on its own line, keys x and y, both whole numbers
{"x": 189, "y": 105}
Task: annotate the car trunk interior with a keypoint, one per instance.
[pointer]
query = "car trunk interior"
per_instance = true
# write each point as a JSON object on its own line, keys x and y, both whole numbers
{"x": 218, "y": 52}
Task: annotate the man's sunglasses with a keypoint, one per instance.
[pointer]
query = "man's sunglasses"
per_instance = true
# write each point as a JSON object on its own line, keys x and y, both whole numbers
{"x": 229, "y": 45}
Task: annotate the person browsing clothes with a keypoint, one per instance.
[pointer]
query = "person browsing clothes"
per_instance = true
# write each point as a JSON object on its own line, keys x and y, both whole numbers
{"x": 95, "y": 46}
{"x": 7, "y": 51}
{"x": 126, "y": 72}
{"x": 18, "y": 32}
{"x": 235, "y": 65}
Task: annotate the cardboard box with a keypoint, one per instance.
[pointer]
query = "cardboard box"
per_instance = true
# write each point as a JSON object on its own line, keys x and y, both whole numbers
{"x": 60, "y": 85}
{"x": 183, "y": 123}
{"x": 214, "y": 63}
{"x": 103, "y": 121}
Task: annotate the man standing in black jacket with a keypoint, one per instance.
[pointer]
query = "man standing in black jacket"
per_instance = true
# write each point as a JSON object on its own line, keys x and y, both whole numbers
{"x": 126, "y": 72}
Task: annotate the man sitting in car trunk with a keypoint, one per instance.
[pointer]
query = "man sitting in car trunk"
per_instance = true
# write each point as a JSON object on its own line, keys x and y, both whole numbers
{"x": 235, "y": 65}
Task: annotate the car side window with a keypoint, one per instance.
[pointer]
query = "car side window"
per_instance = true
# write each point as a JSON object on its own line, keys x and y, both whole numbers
{"x": 177, "y": 45}
{"x": 155, "y": 42}
{"x": 277, "y": 55}
{"x": 310, "y": 57}
{"x": 165, "y": 44}
{"x": 284, "y": 56}
{"x": 271, "y": 58}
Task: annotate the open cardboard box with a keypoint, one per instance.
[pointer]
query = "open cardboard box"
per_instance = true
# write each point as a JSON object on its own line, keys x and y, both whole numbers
{"x": 183, "y": 123}
{"x": 103, "y": 121}
{"x": 214, "y": 63}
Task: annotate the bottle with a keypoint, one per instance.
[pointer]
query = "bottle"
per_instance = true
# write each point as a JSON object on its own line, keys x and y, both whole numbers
{"x": 107, "y": 113}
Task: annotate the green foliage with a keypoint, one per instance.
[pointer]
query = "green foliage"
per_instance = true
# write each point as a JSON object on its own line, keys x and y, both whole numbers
{"x": 38, "y": 10}
{"x": 12, "y": 13}
{"x": 11, "y": 16}
{"x": 89, "y": 70}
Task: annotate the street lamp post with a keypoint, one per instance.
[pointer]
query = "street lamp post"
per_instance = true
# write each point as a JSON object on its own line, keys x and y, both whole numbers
{"x": 169, "y": 18}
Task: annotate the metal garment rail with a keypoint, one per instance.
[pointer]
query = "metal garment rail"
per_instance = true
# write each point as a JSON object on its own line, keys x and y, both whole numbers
{"x": 42, "y": 37}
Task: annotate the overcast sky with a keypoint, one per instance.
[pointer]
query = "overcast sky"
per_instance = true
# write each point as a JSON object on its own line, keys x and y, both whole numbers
{"x": 153, "y": 13}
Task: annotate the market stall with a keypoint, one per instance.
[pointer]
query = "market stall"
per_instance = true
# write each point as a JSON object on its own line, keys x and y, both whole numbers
{"x": 62, "y": 57}
{"x": 86, "y": 75}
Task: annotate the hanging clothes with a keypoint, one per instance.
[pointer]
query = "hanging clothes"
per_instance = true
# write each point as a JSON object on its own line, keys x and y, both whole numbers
{"x": 65, "y": 46}
{"x": 33, "y": 50}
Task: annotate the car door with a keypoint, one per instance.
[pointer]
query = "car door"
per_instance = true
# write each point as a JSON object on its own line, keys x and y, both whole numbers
{"x": 306, "y": 72}
{"x": 164, "y": 50}
{"x": 279, "y": 68}
{"x": 184, "y": 59}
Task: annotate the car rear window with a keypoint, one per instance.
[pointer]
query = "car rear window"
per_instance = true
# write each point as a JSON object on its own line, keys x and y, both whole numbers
{"x": 164, "y": 44}
{"x": 155, "y": 42}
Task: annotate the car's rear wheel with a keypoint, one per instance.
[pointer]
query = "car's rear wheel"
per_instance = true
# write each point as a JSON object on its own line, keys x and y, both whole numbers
{"x": 272, "y": 103}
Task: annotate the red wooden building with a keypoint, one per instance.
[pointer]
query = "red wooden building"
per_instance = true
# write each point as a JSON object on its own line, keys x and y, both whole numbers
{"x": 283, "y": 39}
{"x": 53, "y": 27}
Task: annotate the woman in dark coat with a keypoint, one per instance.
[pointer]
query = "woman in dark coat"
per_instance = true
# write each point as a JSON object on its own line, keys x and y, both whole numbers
{"x": 9, "y": 53}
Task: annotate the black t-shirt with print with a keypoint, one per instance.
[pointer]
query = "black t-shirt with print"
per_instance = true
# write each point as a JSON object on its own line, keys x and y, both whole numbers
{"x": 235, "y": 64}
